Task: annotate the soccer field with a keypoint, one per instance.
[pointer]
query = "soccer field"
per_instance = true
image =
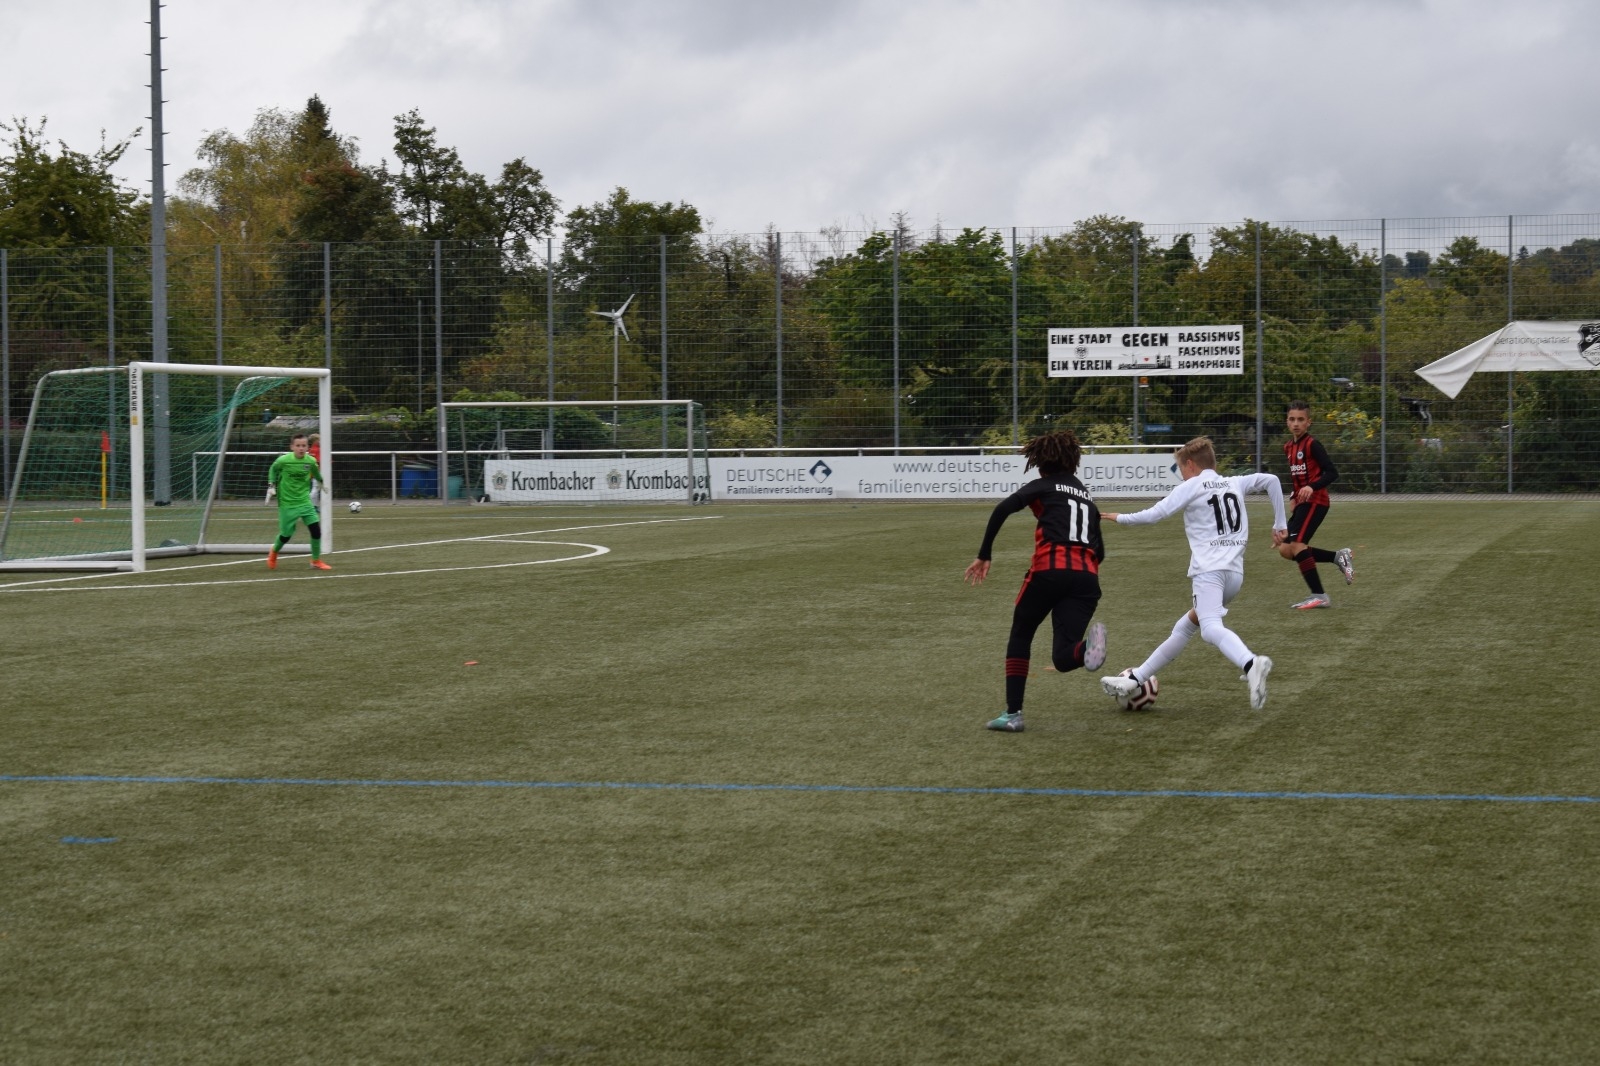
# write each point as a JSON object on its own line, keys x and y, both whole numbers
{"x": 711, "y": 785}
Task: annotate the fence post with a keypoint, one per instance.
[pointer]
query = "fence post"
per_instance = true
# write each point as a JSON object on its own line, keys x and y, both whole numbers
{"x": 1261, "y": 426}
{"x": 550, "y": 344}
{"x": 895, "y": 325}
{"x": 1135, "y": 423}
{"x": 442, "y": 468}
{"x": 1511, "y": 316}
{"x": 1383, "y": 356}
{"x": 663, "y": 343}
{"x": 5, "y": 367}
{"x": 327, "y": 305}
{"x": 1016, "y": 413}
{"x": 216, "y": 314}
{"x": 111, "y": 358}
{"x": 777, "y": 299}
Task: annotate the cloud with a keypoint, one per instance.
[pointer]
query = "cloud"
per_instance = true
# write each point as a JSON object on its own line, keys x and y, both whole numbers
{"x": 1028, "y": 113}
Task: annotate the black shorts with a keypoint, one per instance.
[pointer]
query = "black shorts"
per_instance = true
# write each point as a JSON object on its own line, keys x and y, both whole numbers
{"x": 1305, "y": 520}
{"x": 1068, "y": 598}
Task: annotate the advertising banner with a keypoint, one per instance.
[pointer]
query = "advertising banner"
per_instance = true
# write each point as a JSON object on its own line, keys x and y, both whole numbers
{"x": 570, "y": 480}
{"x": 1146, "y": 351}
{"x": 926, "y": 477}
{"x": 1518, "y": 346}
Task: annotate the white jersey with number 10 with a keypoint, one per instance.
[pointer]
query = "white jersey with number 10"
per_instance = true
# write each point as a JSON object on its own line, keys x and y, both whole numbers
{"x": 1214, "y": 516}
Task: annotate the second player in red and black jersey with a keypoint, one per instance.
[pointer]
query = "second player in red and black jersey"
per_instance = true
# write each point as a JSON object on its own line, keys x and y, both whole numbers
{"x": 1063, "y": 576}
{"x": 1311, "y": 472}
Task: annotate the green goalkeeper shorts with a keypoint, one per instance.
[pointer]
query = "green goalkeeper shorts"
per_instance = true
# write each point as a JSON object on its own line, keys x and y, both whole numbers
{"x": 288, "y": 516}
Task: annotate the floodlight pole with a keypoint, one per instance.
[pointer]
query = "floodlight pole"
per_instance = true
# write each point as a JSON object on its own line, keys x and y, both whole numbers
{"x": 160, "y": 422}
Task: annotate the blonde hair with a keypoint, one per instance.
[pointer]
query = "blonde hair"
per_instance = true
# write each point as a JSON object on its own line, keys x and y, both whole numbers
{"x": 1200, "y": 452}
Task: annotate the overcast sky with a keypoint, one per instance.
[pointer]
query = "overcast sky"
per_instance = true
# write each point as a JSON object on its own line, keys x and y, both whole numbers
{"x": 841, "y": 112}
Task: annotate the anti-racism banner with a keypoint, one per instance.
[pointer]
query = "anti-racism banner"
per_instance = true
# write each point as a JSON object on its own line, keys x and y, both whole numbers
{"x": 569, "y": 480}
{"x": 927, "y": 477}
{"x": 1146, "y": 351}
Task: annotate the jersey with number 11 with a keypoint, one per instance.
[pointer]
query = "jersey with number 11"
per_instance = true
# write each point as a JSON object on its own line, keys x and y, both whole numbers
{"x": 1214, "y": 516}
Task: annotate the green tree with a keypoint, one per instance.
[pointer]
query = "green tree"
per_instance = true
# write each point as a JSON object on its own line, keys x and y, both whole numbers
{"x": 612, "y": 247}
{"x": 64, "y": 199}
{"x": 440, "y": 199}
{"x": 337, "y": 199}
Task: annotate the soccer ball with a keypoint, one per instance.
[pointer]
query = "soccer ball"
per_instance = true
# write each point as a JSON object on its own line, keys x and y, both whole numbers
{"x": 355, "y": 506}
{"x": 1143, "y": 698}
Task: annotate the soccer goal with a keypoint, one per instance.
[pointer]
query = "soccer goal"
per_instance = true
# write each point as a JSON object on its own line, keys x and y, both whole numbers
{"x": 538, "y": 451}
{"x": 118, "y": 465}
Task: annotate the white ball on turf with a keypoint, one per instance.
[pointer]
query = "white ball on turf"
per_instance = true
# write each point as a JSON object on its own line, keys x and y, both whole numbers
{"x": 1143, "y": 697}
{"x": 355, "y": 506}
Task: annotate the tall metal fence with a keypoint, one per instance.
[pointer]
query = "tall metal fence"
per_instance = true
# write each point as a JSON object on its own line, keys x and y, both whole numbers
{"x": 894, "y": 339}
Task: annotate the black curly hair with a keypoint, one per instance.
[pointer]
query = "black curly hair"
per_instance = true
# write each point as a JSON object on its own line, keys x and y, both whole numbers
{"x": 1054, "y": 453}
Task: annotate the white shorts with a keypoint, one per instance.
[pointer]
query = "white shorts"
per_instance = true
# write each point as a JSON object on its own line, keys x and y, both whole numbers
{"x": 1213, "y": 591}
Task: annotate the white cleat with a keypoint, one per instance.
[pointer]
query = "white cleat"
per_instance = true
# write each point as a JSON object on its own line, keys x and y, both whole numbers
{"x": 1257, "y": 676}
{"x": 1344, "y": 559}
{"x": 1094, "y": 647}
{"x": 1311, "y": 603}
{"x": 1120, "y": 688}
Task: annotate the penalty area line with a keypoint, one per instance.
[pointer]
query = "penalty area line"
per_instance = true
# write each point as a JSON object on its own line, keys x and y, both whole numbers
{"x": 255, "y": 560}
{"x": 595, "y": 550}
{"x": 670, "y": 786}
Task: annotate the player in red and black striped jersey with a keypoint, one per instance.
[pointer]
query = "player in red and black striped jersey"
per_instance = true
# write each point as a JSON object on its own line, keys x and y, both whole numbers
{"x": 1063, "y": 578}
{"x": 1311, "y": 472}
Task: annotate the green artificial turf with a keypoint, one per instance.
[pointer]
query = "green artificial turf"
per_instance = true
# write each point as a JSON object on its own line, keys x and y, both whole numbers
{"x": 257, "y": 920}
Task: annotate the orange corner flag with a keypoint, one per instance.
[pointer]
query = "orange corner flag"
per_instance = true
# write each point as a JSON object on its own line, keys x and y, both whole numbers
{"x": 105, "y": 441}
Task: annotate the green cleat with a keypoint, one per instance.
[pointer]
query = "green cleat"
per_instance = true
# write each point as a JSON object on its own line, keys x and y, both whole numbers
{"x": 1010, "y": 722}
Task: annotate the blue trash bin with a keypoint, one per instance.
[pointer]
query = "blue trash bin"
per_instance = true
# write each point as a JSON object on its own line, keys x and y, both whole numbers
{"x": 419, "y": 482}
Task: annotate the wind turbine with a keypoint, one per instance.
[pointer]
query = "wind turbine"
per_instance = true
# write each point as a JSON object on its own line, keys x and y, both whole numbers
{"x": 616, "y": 328}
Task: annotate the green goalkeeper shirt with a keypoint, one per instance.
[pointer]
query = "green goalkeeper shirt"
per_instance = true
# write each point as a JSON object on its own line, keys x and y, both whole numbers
{"x": 292, "y": 475}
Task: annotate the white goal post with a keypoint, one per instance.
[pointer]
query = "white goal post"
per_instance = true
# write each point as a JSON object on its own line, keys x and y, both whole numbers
{"x": 128, "y": 504}
{"x": 583, "y": 451}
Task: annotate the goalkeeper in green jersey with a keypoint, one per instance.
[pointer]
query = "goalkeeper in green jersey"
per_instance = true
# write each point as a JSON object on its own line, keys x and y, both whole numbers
{"x": 290, "y": 481}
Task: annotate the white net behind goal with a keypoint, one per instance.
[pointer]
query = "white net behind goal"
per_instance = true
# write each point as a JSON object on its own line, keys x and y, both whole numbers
{"x": 567, "y": 452}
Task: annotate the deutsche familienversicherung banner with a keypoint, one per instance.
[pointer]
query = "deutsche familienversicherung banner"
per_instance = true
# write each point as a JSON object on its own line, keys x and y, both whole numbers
{"x": 1146, "y": 351}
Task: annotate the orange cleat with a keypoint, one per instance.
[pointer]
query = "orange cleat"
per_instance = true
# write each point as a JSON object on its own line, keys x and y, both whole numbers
{"x": 318, "y": 564}
{"x": 272, "y": 560}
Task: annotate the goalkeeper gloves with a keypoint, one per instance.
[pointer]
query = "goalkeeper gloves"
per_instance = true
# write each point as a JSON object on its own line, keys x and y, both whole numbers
{"x": 272, "y": 492}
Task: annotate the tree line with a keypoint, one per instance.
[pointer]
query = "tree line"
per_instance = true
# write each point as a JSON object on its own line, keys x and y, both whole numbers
{"x": 428, "y": 262}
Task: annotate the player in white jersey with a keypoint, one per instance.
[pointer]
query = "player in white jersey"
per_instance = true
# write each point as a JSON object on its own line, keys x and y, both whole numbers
{"x": 1218, "y": 527}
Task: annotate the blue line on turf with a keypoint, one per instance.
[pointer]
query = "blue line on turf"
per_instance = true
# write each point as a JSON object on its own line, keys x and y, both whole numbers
{"x": 942, "y": 790}
{"x": 88, "y": 840}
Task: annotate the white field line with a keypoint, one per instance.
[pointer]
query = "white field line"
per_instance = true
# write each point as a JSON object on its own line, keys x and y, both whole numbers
{"x": 595, "y": 550}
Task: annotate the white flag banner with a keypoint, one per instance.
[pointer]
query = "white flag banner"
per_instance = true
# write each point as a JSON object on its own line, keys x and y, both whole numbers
{"x": 1146, "y": 351}
{"x": 1518, "y": 346}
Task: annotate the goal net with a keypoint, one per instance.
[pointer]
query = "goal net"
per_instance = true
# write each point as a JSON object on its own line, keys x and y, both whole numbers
{"x": 121, "y": 464}
{"x": 534, "y": 451}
